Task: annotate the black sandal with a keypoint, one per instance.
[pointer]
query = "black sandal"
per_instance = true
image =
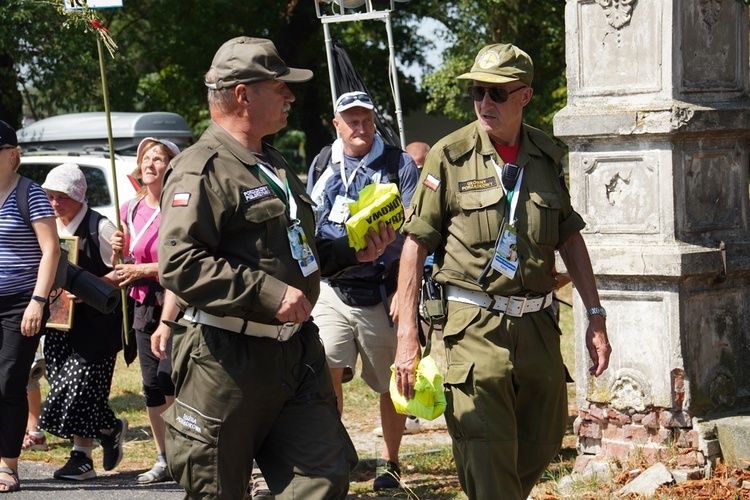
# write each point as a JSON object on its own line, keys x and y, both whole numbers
{"x": 14, "y": 485}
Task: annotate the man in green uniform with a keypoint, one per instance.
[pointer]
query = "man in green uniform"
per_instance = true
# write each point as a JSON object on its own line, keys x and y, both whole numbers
{"x": 493, "y": 206}
{"x": 236, "y": 247}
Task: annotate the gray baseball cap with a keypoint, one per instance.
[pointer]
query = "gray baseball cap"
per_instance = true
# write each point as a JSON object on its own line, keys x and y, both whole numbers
{"x": 250, "y": 60}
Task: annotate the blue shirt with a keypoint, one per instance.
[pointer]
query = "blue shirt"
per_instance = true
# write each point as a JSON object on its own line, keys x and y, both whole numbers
{"x": 408, "y": 176}
{"x": 20, "y": 253}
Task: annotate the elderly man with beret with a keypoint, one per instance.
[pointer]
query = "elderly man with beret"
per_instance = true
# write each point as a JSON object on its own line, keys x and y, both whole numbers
{"x": 236, "y": 246}
{"x": 493, "y": 205}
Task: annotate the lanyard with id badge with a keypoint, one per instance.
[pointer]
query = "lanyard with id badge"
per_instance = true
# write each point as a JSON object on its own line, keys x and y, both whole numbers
{"x": 340, "y": 212}
{"x": 505, "y": 255}
{"x": 298, "y": 243}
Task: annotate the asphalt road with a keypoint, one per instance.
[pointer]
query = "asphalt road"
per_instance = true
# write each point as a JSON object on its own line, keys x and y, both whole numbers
{"x": 37, "y": 483}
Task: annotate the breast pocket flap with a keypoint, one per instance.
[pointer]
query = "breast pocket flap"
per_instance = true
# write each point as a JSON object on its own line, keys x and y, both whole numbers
{"x": 458, "y": 373}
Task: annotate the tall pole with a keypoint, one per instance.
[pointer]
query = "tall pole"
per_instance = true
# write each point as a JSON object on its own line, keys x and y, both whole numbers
{"x": 110, "y": 141}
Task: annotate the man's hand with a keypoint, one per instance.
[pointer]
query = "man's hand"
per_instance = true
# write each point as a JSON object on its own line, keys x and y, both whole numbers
{"x": 376, "y": 243}
{"x": 598, "y": 345}
{"x": 294, "y": 308}
{"x": 408, "y": 354}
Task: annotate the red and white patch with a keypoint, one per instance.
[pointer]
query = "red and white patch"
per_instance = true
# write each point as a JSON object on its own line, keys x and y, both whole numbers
{"x": 181, "y": 200}
{"x": 431, "y": 182}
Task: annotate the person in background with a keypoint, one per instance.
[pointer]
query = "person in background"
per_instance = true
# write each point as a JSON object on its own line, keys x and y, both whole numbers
{"x": 28, "y": 260}
{"x": 353, "y": 309}
{"x": 35, "y": 440}
{"x": 418, "y": 151}
{"x": 494, "y": 185}
{"x": 139, "y": 240}
{"x": 237, "y": 247}
{"x": 81, "y": 361}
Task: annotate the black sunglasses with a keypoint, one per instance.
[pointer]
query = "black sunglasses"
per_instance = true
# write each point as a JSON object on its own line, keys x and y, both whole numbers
{"x": 496, "y": 93}
{"x": 363, "y": 98}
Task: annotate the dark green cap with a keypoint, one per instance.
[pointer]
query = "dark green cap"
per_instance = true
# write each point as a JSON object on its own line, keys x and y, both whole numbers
{"x": 501, "y": 63}
{"x": 250, "y": 60}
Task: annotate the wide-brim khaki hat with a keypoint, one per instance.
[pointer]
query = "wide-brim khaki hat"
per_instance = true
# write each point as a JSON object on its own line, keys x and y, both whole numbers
{"x": 250, "y": 60}
{"x": 501, "y": 63}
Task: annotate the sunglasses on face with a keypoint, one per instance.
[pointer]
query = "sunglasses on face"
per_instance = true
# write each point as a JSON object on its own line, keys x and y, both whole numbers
{"x": 3, "y": 148}
{"x": 496, "y": 93}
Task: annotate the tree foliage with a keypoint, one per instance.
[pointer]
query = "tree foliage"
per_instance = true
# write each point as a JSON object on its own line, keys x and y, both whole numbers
{"x": 49, "y": 62}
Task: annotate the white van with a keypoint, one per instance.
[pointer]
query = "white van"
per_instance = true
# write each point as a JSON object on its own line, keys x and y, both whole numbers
{"x": 88, "y": 132}
{"x": 96, "y": 168}
{"x": 81, "y": 138}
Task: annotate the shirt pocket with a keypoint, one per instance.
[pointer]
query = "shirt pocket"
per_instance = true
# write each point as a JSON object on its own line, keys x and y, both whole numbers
{"x": 268, "y": 225}
{"x": 264, "y": 210}
{"x": 544, "y": 215}
{"x": 481, "y": 214}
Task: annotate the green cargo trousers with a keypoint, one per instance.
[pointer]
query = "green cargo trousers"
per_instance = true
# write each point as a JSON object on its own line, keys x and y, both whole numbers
{"x": 239, "y": 398}
{"x": 507, "y": 399}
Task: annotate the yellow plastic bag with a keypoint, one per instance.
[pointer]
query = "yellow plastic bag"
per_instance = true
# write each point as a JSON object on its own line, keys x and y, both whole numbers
{"x": 429, "y": 399}
{"x": 377, "y": 203}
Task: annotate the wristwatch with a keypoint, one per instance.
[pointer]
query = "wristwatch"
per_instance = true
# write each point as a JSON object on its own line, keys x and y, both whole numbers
{"x": 597, "y": 310}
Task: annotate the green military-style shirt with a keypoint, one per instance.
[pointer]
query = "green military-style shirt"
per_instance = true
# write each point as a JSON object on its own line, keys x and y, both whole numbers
{"x": 460, "y": 203}
{"x": 223, "y": 244}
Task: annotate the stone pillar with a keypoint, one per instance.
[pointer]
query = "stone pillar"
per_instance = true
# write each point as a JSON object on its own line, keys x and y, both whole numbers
{"x": 657, "y": 123}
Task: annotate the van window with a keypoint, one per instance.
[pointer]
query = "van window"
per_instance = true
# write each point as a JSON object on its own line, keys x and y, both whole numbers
{"x": 96, "y": 191}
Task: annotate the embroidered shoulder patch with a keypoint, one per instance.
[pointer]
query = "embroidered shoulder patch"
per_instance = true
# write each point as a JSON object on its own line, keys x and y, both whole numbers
{"x": 431, "y": 182}
{"x": 181, "y": 199}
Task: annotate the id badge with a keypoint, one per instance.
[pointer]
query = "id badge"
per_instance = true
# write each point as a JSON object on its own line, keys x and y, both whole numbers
{"x": 340, "y": 211}
{"x": 505, "y": 258}
{"x": 301, "y": 250}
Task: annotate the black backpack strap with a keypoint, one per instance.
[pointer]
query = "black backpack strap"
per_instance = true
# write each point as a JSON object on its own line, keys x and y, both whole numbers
{"x": 22, "y": 199}
{"x": 320, "y": 166}
{"x": 392, "y": 160}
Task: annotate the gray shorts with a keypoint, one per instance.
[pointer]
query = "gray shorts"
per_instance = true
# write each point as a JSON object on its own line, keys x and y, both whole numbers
{"x": 349, "y": 331}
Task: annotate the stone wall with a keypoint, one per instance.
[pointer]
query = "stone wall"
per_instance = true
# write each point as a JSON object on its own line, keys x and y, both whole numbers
{"x": 657, "y": 126}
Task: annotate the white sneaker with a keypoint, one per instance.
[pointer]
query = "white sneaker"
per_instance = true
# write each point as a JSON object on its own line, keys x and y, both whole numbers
{"x": 412, "y": 427}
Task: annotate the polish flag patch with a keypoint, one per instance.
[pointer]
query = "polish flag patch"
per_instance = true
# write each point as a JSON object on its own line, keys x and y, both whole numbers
{"x": 181, "y": 199}
{"x": 431, "y": 182}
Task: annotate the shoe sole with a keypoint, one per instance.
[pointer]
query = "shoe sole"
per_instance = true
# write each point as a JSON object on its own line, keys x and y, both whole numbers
{"x": 37, "y": 447}
{"x": 78, "y": 477}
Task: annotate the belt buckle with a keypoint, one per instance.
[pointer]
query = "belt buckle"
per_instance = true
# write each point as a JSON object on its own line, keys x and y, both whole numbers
{"x": 515, "y": 306}
{"x": 286, "y": 331}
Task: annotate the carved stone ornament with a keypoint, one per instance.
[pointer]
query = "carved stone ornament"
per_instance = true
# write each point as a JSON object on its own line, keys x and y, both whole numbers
{"x": 630, "y": 392}
{"x": 710, "y": 11}
{"x": 618, "y": 12}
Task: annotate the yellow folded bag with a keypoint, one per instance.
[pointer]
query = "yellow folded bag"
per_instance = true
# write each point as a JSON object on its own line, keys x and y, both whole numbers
{"x": 377, "y": 203}
{"x": 429, "y": 399}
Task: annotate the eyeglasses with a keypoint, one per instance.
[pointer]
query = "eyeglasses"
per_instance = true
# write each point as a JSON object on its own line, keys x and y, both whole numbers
{"x": 496, "y": 93}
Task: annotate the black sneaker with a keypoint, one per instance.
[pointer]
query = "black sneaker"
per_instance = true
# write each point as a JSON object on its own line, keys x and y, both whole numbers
{"x": 79, "y": 468}
{"x": 112, "y": 444}
{"x": 387, "y": 476}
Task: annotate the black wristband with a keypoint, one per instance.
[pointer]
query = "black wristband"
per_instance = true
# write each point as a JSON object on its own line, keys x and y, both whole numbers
{"x": 39, "y": 298}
